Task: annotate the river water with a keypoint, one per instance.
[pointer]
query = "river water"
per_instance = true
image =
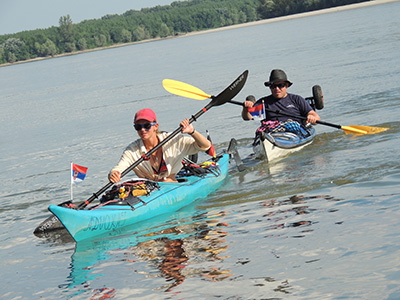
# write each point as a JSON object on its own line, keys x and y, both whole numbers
{"x": 323, "y": 223}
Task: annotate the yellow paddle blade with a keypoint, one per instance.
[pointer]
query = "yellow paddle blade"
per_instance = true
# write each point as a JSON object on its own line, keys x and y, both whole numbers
{"x": 185, "y": 90}
{"x": 359, "y": 129}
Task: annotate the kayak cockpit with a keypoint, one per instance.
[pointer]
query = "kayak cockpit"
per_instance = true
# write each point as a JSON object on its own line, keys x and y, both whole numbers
{"x": 134, "y": 191}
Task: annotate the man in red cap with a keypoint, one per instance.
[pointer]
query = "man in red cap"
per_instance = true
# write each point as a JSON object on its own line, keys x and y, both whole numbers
{"x": 166, "y": 162}
{"x": 280, "y": 100}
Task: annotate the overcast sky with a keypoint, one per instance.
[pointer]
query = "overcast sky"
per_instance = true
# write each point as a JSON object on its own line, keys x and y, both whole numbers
{"x": 20, "y": 15}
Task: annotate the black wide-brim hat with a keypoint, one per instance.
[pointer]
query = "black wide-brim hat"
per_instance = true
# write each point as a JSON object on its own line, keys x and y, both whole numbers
{"x": 277, "y": 76}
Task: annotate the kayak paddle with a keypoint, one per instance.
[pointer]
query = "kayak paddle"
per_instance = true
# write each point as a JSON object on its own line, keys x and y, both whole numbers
{"x": 184, "y": 89}
{"x": 189, "y": 91}
{"x": 231, "y": 91}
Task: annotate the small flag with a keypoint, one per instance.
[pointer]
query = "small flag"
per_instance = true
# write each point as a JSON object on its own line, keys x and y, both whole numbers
{"x": 257, "y": 111}
{"x": 78, "y": 173}
{"x": 210, "y": 151}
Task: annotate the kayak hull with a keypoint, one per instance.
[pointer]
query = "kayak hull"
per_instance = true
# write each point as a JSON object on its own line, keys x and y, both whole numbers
{"x": 272, "y": 146}
{"x": 170, "y": 197}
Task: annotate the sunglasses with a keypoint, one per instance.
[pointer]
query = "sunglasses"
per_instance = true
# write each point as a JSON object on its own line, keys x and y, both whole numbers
{"x": 279, "y": 85}
{"x": 146, "y": 126}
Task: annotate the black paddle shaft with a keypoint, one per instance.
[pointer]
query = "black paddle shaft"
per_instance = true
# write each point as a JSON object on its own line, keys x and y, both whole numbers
{"x": 278, "y": 112}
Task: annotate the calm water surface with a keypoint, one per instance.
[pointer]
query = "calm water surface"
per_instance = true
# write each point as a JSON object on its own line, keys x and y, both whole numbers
{"x": 320, "y": 224}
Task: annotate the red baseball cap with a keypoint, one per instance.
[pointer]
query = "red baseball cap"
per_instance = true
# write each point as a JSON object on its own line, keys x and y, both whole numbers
{"x": 145, "y": 114}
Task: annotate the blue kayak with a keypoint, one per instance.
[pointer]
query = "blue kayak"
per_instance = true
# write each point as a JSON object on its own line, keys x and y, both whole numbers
{"x": 139, "y": 199}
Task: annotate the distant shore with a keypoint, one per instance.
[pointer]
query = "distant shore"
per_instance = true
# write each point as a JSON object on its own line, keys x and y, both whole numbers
{"x": 296, "y": 16}
{"x": 272, "y": 20}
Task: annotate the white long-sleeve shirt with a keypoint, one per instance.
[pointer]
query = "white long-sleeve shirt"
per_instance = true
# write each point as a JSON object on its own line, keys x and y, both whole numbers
{"x": 173, "y": 153}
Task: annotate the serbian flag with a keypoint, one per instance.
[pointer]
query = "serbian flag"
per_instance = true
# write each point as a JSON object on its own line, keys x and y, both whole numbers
{"x": 210, "y": 151}
{"x": 257, "y": 111}
{"x": 78, "y": 173}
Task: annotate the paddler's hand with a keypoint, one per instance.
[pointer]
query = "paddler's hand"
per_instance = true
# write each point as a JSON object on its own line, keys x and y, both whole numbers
{"x": 187, "y": 127}
{"x": 200, "y": 139}
{"x": 248, "y": 104}
{"x": 245, "y": 111}
{"x": 115, "y": 176}
{"x": 313, "y": 117}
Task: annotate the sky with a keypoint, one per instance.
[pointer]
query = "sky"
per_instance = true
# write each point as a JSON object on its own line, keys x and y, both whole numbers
{"x": 21, "y": 15}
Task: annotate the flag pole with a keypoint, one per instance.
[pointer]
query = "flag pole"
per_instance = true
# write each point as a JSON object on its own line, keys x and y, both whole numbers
{"x": 265, "y": 112}
{"x": 72, "y": 182}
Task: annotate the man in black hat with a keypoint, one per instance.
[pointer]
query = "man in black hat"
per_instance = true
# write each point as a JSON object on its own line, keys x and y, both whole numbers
{"x": 280, "y": 100}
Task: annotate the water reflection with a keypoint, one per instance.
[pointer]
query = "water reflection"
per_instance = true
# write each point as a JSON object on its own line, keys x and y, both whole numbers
{"x": 172, "y": 251}
{"x": 174, "y": 262}
{"x": 297, "y": 205}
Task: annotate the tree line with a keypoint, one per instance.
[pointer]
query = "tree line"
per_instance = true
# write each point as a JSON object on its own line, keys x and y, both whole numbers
{"x": 179, "y": 17}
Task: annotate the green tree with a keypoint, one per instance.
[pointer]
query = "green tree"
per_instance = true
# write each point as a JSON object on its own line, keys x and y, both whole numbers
{"x": 126, "y": 36}
{"x": 100, "y": 41}
{"x": 51, "y": 47}
{"x": 2, "y": 57}
{"x": 266, "y": 9}
{"x": 116, "y": 34}
{"x": 66, "y": 29}
{"x": 82, "y": 44}
{"x": 69, "y": 47}
{"x": 48, "y": 48}
{"x": 38, "y": 48}
{"x": 140, "y": 33}
{"x": 12, "y": 58}
{"x": 164, "y": 30}
{"x": 250, "y": 12}
{"x": 15, "y": 50}
{"x": 13, "y": 45}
